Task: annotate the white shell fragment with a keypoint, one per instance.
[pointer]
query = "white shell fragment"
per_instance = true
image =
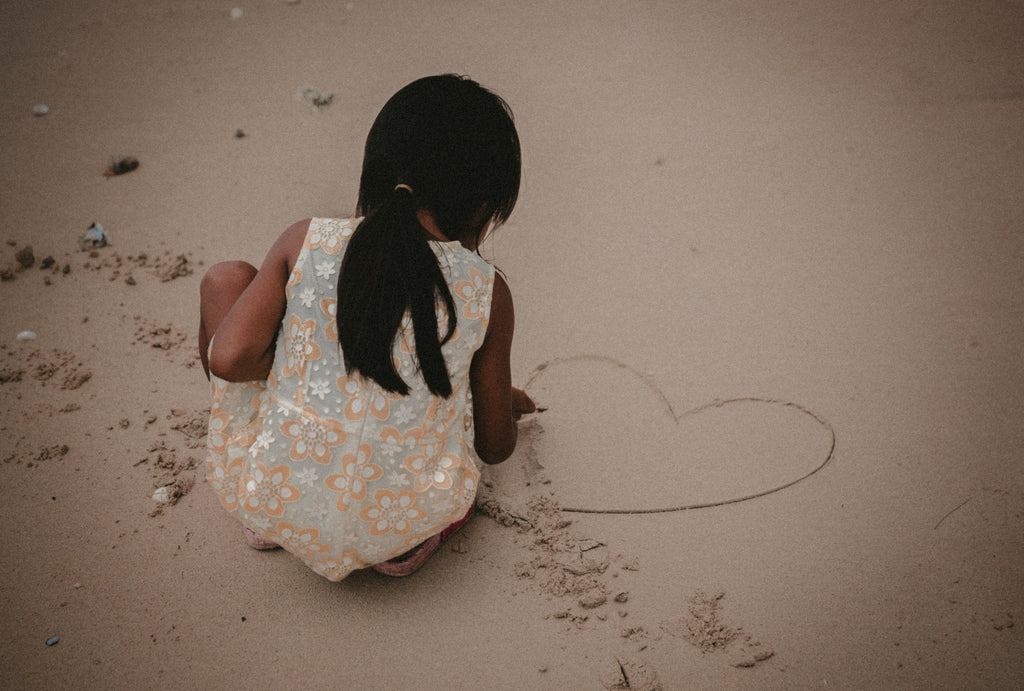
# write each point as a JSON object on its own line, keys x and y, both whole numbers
{"x": 94, "y": 237}
{"x": 161, "y": 494}
{"x": 236, "y": 13}
{"x": 27, "y": 336}
{"x": 40, "y": 109}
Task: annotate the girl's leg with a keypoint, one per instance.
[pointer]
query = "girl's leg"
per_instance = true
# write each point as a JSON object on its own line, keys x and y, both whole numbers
{"x": 221, "y": 286}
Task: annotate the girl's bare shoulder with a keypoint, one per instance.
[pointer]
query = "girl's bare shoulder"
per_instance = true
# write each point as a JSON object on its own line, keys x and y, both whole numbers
{"x": 289, "y": 244}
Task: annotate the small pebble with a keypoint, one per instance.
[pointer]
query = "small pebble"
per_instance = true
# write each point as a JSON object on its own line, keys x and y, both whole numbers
{"x": 53, "y": 641}
{"x": 26, "y": 257}
{"x": 121, "y": 166}
{"x": 161, "y": 494}
{"x": 236, "y": 13}
{"x": 40, "y": 109}
{"x": 27, "y": 336}
{"x": 239, "y": 134}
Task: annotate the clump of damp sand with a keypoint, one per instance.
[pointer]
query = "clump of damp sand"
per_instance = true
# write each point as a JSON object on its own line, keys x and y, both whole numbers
{"x": 577, "y": 571}
{"x": 705, "y": 628}
{"x": 562, "y": 563}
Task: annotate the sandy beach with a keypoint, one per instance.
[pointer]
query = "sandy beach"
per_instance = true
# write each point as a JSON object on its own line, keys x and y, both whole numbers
{"x": 768, "y": 268}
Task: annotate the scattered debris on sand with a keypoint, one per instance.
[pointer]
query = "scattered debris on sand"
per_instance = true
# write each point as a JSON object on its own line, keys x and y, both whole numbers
{"x": 43, "y": 366}
{"x": 317, "y": 99}
{"x": 121, "y": 166}
{"x": 704, "y": 628}
{"x": 173, "y": 469}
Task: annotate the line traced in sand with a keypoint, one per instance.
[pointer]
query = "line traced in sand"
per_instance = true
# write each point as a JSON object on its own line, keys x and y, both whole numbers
{"x": 693, "y": 411}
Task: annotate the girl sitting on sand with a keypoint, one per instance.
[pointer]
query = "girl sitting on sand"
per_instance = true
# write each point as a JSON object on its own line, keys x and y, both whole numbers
{"x": 361, "y": 373}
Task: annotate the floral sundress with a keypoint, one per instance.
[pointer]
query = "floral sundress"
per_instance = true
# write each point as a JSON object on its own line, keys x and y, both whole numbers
{"x": 333, "y": 468}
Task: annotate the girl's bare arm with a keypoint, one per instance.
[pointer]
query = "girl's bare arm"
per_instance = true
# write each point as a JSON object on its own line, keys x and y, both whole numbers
{"x": 491, "y": 382}
{"x": 243, "y": 346}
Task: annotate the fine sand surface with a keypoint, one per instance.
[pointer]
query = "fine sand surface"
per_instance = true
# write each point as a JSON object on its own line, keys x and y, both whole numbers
{"x": 755, "y": 242}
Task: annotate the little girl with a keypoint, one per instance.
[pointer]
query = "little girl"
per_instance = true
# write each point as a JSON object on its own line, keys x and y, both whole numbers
{"x": 363, "y": 371}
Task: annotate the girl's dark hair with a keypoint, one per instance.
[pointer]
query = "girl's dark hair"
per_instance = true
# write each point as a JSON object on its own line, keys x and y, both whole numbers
{"x": 454, "y": 144}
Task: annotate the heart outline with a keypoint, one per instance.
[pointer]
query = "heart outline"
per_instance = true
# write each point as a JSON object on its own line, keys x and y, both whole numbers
{"x": 677, "y": 417}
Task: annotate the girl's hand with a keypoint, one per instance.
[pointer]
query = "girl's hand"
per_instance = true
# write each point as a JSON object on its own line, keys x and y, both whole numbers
{"x": 521, "y": 404}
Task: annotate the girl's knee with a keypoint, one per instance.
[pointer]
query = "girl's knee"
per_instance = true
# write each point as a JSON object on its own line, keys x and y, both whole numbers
{"x": 227, "y": 276}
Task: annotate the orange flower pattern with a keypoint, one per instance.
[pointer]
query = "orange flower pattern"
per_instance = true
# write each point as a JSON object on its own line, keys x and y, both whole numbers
{"x": 300, "y": 345}
{"x": 300, "y": 541}
{"x": 224, "y": 479}
{"x": 477, "y": 295}
{"x": 329, "y": 237}
{"x": 392, "y": 513}
{"x": 432, "y": 468}
{"x": 313, "y": 437}
{"x": 268, "y": 490}
{"x": 363, "y": 399}
{"x": 356, "y": 472}
{"x": 337, "y": 471}
{"x": 329, "y": 306}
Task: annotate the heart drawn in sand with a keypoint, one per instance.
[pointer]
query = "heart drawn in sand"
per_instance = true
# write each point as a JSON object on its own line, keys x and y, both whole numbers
{"x": 609, "y": 441}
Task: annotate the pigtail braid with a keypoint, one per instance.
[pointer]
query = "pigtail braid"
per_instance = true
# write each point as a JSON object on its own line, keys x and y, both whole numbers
{"x": 389, "y": 269}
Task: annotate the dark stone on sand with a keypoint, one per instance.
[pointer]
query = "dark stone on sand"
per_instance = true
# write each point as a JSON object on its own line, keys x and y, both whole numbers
{"x": 25, "y": 257}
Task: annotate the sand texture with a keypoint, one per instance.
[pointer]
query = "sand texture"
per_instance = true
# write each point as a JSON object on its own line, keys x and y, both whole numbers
{"x": 768, "y": 267}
